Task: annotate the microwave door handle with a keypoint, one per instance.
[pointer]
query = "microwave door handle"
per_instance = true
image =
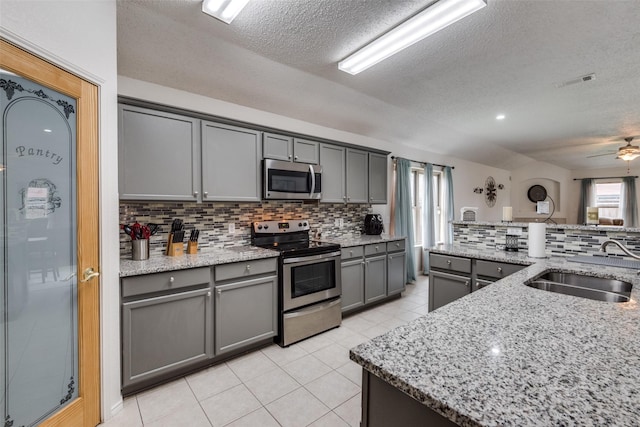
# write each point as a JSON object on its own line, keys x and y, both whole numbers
{"x": 313, "y": 181}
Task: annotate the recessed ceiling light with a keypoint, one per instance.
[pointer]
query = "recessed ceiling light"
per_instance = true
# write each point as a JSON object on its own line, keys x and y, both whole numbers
{"x": 47, "y": 130}
{"x": 500, "y": 117}
{"x": 432, "y": 19}
{"x": 224, "y": 10}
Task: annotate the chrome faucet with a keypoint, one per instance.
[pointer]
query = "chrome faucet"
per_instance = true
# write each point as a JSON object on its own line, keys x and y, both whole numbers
{"x": 623, "y": 248}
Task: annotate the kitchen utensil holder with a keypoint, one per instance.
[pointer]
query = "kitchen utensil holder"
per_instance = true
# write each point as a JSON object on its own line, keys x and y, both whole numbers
{"x": 140, "y": 249}
{"x": 511, "y": 244}
{"x": 192, "y": 247}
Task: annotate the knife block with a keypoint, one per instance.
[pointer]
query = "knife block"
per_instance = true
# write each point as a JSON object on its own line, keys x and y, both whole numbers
{"x": 169, "y": 240}
{"x": 192, "y": 247}
{"x": 176, "y": 249}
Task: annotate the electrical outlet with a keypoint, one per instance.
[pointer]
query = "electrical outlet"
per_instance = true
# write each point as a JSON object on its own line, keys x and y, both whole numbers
{"x": 341, "y": 223}
{"x": 232, "y": 228}
{"x": 336, "y": 222}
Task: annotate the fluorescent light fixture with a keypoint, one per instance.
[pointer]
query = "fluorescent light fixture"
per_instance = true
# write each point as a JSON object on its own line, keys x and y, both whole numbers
{"x": 224, "y": 10}
{"x": 425, "y": 23}
{"x": 500, "y": 117}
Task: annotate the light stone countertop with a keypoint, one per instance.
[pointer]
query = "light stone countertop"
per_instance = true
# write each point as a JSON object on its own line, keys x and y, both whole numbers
{"x": 511, "y": 355}
{"x": 360, "y": 239}
{"x": 205, "y": 258}
{"x": 612, "y": 228}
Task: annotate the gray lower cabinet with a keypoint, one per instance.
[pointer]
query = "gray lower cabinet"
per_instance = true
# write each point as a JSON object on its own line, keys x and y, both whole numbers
{"x": 158, "y": 155}
{"x": 230, "y": 163}
{"x": 357, "y": 178}
{"x": 352, "y": 284}
{"x": 377, "y": 178}
{"x": 396, "y": 272}
{"x": 446, "y": 287}
{"x": 167, "y": 324}
{"x": 375, "y": 278}
{"x": 246, "y": 301}
{"x": 333, "y": 161}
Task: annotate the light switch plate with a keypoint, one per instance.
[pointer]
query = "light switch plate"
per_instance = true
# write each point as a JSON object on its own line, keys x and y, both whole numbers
{"x": 232, "y": 228}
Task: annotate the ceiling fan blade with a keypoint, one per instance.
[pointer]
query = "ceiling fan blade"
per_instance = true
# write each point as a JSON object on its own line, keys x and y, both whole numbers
{"x": 603, "y": 154}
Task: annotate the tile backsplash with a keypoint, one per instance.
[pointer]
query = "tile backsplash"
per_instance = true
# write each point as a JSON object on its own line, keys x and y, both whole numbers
{"x": 213, "y": 219}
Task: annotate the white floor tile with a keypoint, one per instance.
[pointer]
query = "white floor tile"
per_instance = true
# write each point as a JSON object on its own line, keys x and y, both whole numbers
{"x": 251, "y": 365}
{"x": 230, "y": 405}
{"x": 164, "y": 400}
{"x": 350, "y": 411}
{"x": 333, "y": 389}
{"x": 212, "y": 381}
{"x": 282, "y": 356}
{"x": 315, "y": 343}
{"x": 259, "y": 418}
{"x": 192, "y": 416}
{"x": 272, "y": 385}
{"x": 333, "y": 355}
{"x": 357, "y": 324}
{"x": 408, "y": 316}
{"x": 351, "y": 371}
{"x": 376, "y": 316}
{"x": 330, "y": 420}
{"x": 306, "y": 369}
{"x": 352, "y": 340}
{"x": 298, "y": 408}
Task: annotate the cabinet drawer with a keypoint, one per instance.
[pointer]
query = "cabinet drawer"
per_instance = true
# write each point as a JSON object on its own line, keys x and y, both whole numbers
{"x": 396, "y": 246}
{"x": 158, "y": 282}
{"x": 375, "y": 249}
{"x": 447, "y": 262}
{"x": 353, "y": 252}
{"x": 496, "y": 269}
{"x": 245, "y": 269}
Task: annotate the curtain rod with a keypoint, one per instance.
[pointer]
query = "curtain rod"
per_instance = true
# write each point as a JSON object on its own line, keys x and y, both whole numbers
{"x": 422, "y": 163}
{"x": 606, "y": 177}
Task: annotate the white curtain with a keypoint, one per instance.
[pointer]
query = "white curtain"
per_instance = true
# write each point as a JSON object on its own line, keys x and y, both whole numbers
{"x": 587, "y": 198}
{"x": 428, "y": 217}
{"x": 629, "y": 202}
{"x": 447, "y": 208}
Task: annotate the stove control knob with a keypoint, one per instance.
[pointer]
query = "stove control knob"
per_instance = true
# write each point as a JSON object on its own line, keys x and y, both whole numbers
{"x": 266, "y": 226}
{"x": 299, "y": 224}
{"x": 305, "y": 224}
{"x": 259, "y": 227}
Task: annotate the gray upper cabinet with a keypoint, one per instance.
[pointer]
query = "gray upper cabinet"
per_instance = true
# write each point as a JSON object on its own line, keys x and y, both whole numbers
{"x": 332, "y": 159}
{"x": 158, "y": 155}
{"x": 305, "y": 151}
{"x": 230, "y": 163}
{"x": 377, "y": 178}
{"x": 278, "y": 147}
{"x": 357, "y": 180}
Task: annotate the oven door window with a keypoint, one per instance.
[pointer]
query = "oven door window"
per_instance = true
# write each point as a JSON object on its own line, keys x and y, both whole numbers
{"x": 311, "y": 278}
{"x": 289, "y": 181}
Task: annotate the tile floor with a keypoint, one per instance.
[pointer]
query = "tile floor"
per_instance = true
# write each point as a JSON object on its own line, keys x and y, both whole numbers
{"x": 311, "y": 383}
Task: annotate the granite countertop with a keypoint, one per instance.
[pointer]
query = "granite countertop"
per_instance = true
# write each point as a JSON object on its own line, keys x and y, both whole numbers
{"x": 361, "y": 239}
{"x": 514, "y": 355}
{"x": 553, "y": 226}
{"x": 205, "y": 258}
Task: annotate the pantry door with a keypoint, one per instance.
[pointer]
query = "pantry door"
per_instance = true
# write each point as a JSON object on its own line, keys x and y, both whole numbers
{"x": 49, "y": 244}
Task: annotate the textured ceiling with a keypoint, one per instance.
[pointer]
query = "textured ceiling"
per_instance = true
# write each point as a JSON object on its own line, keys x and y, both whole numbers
{"x": 441, "y": 94}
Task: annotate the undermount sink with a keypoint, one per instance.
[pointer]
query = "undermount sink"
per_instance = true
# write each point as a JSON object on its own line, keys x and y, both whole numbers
{"x": 580, "y": 285}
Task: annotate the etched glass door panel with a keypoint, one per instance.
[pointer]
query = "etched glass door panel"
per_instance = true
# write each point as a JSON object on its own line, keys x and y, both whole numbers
{"x": 39, "y": 298}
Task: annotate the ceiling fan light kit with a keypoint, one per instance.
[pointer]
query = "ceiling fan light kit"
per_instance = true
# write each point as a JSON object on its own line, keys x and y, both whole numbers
{"x": 431, "y": 20}
{"x": 628, "y": 152}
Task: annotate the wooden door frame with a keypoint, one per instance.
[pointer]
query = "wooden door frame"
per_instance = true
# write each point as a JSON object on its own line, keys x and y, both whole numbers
{"x": 85, "y": 410}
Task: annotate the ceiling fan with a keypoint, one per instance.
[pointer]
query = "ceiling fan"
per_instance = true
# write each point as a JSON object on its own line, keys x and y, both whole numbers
{"x": 627, "y": 152}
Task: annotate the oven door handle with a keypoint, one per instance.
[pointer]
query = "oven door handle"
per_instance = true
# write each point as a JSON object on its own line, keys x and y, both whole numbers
{"x": 310, "y": 258}
{"x": 313, "y": 181}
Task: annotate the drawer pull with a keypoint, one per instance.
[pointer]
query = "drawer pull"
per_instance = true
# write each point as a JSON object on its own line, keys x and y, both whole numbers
{"x": 172, "y": 279}
{"x": 350, "y": 252}
{"x": 377, "y": 248}
{"x": 219, "y": 292}
{"x": 209, "y": 294}
{"x": 248, "y": 267}
{"x": 448, "y": 262}
{"x": 397, "y": 245}
{"x": 499, "y": 269}
{"x": 466, "y": 283}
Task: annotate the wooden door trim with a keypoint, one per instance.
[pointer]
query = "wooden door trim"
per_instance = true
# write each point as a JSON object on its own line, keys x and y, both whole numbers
{"x": 14, "y": 59}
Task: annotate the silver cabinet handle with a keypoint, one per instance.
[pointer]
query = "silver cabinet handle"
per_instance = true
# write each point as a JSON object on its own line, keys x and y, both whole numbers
{"x": 350, "y": 252}
{"x": 377, "y": 248}
{"x": 205, "y": 194}
{"x": 466, "y": 283}
{"x": 289, "y": 156}
{"x": 195, "y": 194}
{"x": 295, "y": 158}
{"x": 89, "y": 274}
{"x": 397, "y": 245}
{"x": 172, "y": 279}
{"x": 390, "y": 256}
{"x": 348, "y": 198}
{"x": 219, "y": 292}
{"x": 313, "y": 180}
{"x": 371, "y": 198}
{"x": 448, "y": 262}
{"x": 499, "y": 269}
{"x": 209, "y": 294}
{"x": 248, "y": 267}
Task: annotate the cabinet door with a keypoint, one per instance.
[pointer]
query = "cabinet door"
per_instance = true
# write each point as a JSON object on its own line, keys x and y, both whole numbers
{"x": 332, "y": 159}
{"x": 357, "y": 188}
{"x": 445, "y": 288}
{"x": 352, "y": 284}
{"x": 377, "y": 178}
{"x": 163, "y": 334}
{"x": 278, "y": 147}
{"x": 246, "y": 312}
{"x": 158, "y": 155}
{"x": 396, "y": 271}
{"x": 375, "y": 276}
{"x": 230, "y": 163}
{"x": 305, "y": 151}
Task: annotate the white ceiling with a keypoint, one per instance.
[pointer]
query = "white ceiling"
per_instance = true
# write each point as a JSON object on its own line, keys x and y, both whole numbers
{"x": 441, "y": 94}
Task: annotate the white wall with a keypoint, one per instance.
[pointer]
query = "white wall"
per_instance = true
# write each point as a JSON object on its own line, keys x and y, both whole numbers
{"x": 466, "y": 175}
{"x": 81, "y": 37}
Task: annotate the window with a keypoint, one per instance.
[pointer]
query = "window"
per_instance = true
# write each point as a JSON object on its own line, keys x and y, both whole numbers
{"x": 608, "y": 199}
{"x": 417, "y": 203}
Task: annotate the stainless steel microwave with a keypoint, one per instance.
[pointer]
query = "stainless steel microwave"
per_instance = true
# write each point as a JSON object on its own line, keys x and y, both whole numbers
{"x": 288, "y": 180}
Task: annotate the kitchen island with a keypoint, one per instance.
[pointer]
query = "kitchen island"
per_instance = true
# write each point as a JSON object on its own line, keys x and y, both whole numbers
{"x": 510, "y": 355}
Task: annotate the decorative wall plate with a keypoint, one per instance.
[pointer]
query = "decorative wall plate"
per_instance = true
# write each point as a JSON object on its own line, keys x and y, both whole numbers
{"x": 490, "y": 191}
{"x": 537, "y": 193}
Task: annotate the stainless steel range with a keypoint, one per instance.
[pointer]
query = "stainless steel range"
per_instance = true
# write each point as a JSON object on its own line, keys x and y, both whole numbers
{"x": 309, "y": 279}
